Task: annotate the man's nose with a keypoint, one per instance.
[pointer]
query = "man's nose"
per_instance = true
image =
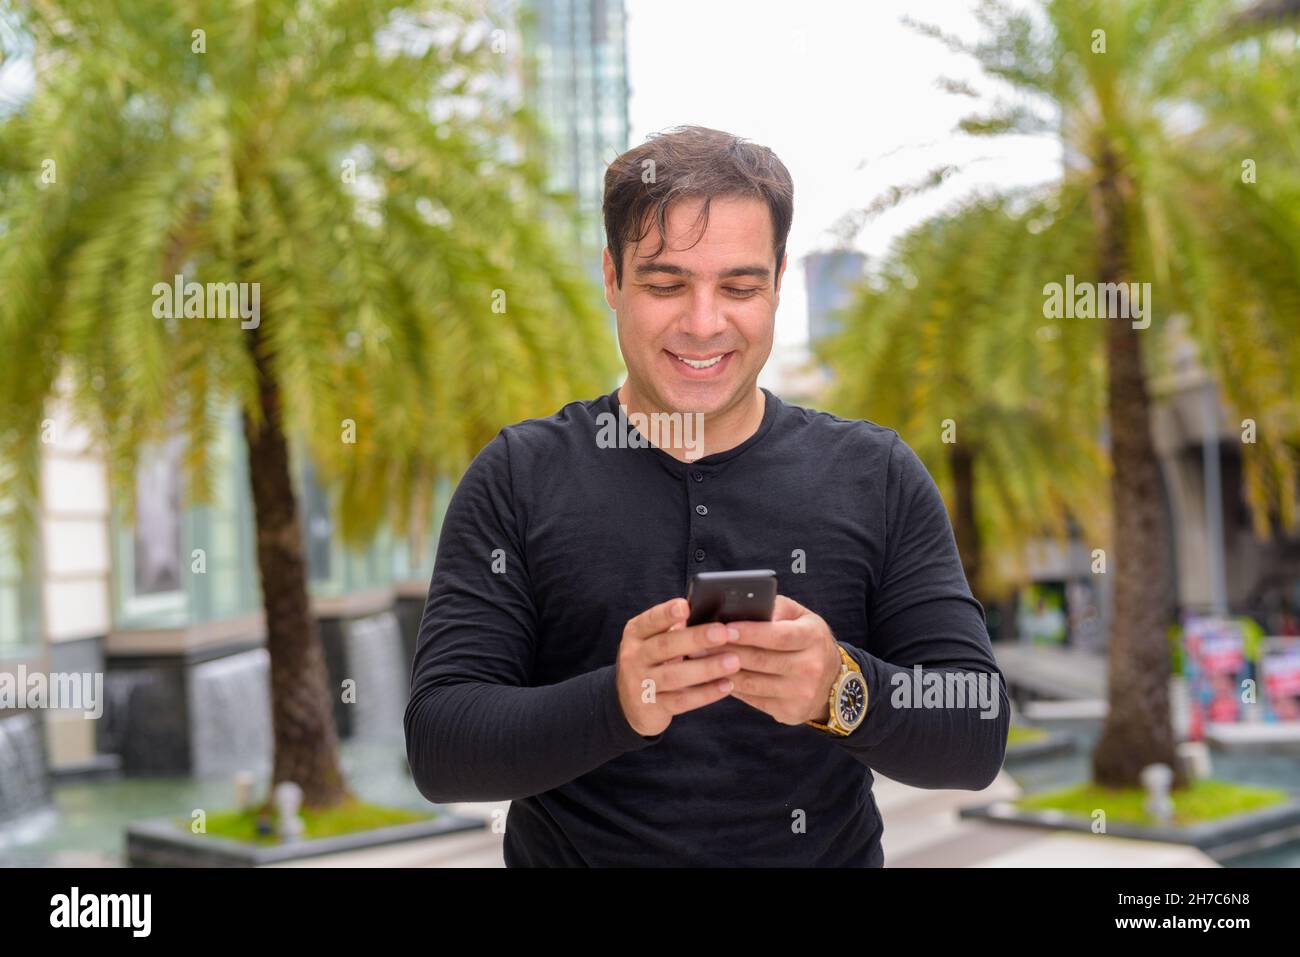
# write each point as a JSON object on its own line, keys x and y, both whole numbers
{"x": 704, "y": 318}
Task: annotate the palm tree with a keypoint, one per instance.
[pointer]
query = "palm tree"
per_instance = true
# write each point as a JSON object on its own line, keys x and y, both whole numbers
{"x": 1118, "y": 81}
{"x": 948, "y": 343}
{"x": 349, "y": 161}
{"x": 1252, "y": 99}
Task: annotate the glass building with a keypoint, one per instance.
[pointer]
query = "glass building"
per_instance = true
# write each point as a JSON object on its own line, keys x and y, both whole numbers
{"x": 574, "y": 77}
{"x": 829, "y": 278}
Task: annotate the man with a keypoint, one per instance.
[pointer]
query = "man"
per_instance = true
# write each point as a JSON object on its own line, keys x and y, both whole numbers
{"x": 554, "y": 667}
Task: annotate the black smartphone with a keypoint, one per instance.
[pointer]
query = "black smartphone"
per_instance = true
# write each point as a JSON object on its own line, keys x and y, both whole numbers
{"x": 732, "y": 596}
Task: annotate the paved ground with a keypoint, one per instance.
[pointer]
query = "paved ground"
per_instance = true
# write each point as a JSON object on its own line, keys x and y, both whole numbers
{"x": 921, "y": 830}
{"x": 1049, "y": 672}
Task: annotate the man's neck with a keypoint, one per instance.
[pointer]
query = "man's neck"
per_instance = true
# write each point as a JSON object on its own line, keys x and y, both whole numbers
{"x": 720, "y": 431}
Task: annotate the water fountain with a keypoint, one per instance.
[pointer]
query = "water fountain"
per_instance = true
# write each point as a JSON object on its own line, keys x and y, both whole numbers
{"x": 375, "y": 661}
{"x": 114, "y": 732}
{"x": 230, "y": 714}
{"x": 176, "y": 715}
{"x": 24, "y": 778}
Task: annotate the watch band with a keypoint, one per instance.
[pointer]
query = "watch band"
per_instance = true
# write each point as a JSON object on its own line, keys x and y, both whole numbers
{"x": 847, "y": 663}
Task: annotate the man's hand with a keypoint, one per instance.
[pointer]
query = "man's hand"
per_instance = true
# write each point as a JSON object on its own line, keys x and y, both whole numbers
{"x": 788, "y": 664}
{"x": 656, "y": 677}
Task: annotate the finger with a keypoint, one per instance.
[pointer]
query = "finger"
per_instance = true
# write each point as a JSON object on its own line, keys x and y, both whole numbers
{"x": 776, "y": 635}
{"x": 760, "y": 685}
{"x": 687, "y": 674}
{"x": 787, "y": 609}
{"x": 688, "y": 699}
{"x": 711, "y": 651}
{"x": 764, "y": 660}
{"x": 758, "y": 704}
{"x": 685, "y": 641}
{"x": 657, "y": 619}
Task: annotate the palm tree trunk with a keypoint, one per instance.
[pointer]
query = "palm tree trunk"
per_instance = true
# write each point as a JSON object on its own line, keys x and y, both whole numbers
{"x": 961, "y": 460}
{"x": 306, "y": 741}
{"x": 1138, "y": 730}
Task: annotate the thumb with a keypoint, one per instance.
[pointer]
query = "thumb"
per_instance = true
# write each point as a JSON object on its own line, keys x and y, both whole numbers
{"x": 787, "y": 609}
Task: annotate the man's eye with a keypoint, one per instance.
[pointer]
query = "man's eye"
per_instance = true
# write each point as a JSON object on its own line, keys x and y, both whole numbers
{"x": 742, "y": 293}
{"x": 664, "y": 290}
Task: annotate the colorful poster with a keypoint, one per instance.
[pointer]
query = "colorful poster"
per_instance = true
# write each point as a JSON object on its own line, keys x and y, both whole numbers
{"x": 1214, "y": 664}
{"x": 1280, "y": 672}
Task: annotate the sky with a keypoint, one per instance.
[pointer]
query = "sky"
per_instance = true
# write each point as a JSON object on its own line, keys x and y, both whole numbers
{"x": 841, "y": 90}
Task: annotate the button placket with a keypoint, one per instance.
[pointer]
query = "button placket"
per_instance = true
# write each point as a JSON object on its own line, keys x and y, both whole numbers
{"x": 700, "y": 509}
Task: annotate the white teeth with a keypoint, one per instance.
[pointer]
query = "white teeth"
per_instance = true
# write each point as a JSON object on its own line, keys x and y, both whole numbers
{"x": 701, "y": 363}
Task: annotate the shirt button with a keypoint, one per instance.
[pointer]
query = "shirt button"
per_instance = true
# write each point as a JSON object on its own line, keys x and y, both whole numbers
{"x": 697, "y": 475}
{"x": 699, "y": 554}
{"x": 703, "y": 510}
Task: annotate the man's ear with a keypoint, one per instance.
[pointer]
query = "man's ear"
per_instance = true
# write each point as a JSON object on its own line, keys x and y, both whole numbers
{"x": 785, "y": 260}
{"x": 611, "y": 279}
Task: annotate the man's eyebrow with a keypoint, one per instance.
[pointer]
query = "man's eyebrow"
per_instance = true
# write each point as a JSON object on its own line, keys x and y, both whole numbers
{"x": 760, "y": 272}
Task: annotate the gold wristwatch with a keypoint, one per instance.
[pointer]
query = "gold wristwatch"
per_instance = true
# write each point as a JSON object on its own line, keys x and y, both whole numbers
{"x": 848, "y": 698}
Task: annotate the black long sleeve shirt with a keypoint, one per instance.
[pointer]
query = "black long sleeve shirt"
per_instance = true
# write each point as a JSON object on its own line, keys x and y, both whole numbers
{"x": 553, "y": 540}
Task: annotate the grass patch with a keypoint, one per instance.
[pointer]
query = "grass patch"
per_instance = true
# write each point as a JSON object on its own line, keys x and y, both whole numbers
{"x": 1020, "y": 734}
{"x": 347, "y": 818}
{"x": 1204, "y": 801}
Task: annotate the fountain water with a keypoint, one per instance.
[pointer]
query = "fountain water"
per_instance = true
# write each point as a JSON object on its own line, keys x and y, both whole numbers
{"x": 114, "y": 729}
{"x": 375, "y": 660}
{"x": 230, "y": 714}
{"x": 24, "y": 779}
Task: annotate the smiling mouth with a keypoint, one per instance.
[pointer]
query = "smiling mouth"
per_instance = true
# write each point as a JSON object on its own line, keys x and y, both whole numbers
{"x": 700, "y": 363}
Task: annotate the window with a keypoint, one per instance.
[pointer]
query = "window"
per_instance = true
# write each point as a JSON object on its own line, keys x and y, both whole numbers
{"x": 318, "y": 524}
{"x": 224, "y": 530}
{"x": 19, "y": 604}
{"x": 157, "y": 534}
{"x": 148, "y": 554}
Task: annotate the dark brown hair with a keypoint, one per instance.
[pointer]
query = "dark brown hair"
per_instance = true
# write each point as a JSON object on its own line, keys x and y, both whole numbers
{"x": 690, "y": 162}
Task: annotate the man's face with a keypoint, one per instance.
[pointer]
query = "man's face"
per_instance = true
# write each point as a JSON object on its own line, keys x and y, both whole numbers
{"x": 713, "y": 304}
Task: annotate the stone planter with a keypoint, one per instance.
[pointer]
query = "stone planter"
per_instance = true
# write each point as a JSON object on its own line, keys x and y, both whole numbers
{"x": 1056, "y": 742}
{"x": 1222, "y": 839}
{"x": 162, "y": 842}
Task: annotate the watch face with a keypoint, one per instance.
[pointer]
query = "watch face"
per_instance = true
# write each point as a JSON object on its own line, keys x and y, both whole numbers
{"x": 852, "y": 701}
